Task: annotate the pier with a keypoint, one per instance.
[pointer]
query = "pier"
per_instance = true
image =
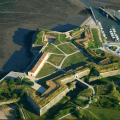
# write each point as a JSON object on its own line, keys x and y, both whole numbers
{"x": 108, "y": 13}
{"x": 93, "y": 15}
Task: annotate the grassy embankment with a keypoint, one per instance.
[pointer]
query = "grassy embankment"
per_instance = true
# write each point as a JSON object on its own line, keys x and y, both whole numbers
{"x": 96, "y": 37}
{"x": 68, "y": 48}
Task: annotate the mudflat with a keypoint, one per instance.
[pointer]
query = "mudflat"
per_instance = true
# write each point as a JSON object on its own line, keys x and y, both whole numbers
{"x": 19, "y": 21}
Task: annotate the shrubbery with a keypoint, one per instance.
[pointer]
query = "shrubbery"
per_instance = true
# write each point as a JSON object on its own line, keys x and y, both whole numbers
{"x": 11, "y": 82}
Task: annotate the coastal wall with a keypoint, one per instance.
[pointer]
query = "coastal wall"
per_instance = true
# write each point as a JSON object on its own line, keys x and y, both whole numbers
{"x": 106, "y": 74}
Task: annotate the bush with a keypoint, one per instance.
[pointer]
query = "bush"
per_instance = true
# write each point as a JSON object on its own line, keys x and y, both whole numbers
{"x": 22, "y": 93}
{"x": 14, "y": 96}
{"x": 18, "y": 80}
{"x": 11, "y": 82}
{"x": 30, "y": 83}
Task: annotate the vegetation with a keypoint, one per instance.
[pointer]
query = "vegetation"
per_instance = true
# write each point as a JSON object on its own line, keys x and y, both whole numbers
{"x": 81, "y": 103}
{"x": 96, "y": 37}
{"x": 39, "y": 38}
{"x": 46, "y": 70}
{"x": 51, "y": 48}
{"x": 63, "y": 38}
{"x": 75, "y": 60}
{"x": 113, "y": 48}
{"x": 57, "y": 41}
{"x": 56, "y": 59}
{"x": 65, "y": 110}
{"x": 70, "y": 85}
{"x": 11, "y": 82}
{"x": 105, "y": 113}
{"x": 86, "y": 93}
{"x": 67, "y": 48}
{"x": 43, "y": 80}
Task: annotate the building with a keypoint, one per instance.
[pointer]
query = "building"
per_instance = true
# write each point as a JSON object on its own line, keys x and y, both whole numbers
{"x": 105, "y": 61}
{"x": 37, "y": 67}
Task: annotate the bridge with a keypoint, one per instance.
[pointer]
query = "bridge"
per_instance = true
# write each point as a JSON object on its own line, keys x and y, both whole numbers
{"x": 85, "y": 85}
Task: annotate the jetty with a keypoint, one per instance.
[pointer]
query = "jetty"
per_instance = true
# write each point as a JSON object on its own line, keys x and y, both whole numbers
{"x": 112, "y": 16}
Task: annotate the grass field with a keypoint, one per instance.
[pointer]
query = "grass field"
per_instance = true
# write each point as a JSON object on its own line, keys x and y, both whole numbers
{"x": 46, "y": 70}
{"x": 80, "y": 102}
{"x": 67, "y": 48}
{"x": 96, "y": 37}
{"x": 71, "y": 116}
{"x": 75, "y": 60}
{"x": 63, "y": 38}
{"x": 43, "y": 80}
{"x": 106, "y": 80}
{"x": 105, "y": 113}
{"x": 69, "y": 107}
{"x": 51, "y": 48}
{"x": 56, "y": 59}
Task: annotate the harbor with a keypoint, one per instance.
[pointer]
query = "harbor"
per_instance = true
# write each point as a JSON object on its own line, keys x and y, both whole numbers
{"x": 106, "y": 22}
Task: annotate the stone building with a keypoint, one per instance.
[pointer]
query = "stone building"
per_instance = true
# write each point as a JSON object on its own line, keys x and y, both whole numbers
{"x": 37, "y": 67}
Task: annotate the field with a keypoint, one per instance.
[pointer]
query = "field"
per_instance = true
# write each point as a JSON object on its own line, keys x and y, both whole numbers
{"x": 51, "y": 48}
{"x": 105, "y": 113}
{"x": 46, "y": 70}
{"x": 96, "y": 37}
{"x": 75, "y": 60}
{"x": 80, "y": 102}
{"x": 68, "y": 48}
{"x": 55, "y": 59}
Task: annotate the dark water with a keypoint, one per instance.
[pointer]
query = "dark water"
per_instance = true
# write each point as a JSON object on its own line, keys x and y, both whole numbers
{"x": 107, "y": 23}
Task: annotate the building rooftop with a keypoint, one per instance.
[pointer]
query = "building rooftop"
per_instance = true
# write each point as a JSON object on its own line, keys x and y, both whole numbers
{"x": 34, "y": 68}
{"x": 105, "y": 61}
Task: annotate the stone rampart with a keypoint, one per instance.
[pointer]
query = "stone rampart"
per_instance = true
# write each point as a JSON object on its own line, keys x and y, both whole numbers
{"x": 106, "y": 74}
{"x": 69, "y": 79}
{"x": 83, "y": 73}
{"x": 35, "y": 107}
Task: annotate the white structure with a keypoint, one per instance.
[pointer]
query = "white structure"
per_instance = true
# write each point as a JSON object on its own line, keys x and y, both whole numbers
{"x": 34, "y": 71}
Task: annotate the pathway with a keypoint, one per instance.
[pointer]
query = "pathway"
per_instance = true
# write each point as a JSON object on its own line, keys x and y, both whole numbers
{"x": 36, "y": 86}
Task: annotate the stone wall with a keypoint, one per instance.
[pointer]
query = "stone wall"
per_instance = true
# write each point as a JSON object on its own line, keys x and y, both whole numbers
{"x": 77, "y": 75}
{"x": 35, "y": 107}
{"x": 82, "y": 74}
{"x": 106, "y": 74}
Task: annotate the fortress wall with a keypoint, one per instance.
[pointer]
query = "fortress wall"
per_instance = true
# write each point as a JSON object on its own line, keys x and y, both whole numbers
{"x": 82, "y": 74}
{"x": 106, "y": 74}
{"x": 35, "y": 107}
{"x": 55, "y": 100}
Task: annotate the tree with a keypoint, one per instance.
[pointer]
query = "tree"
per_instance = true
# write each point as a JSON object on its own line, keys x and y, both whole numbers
{"x": 11, "y": 82}
{"x": 14, "y": 96}
{"x": 22, "y": 93}
{"x": 18, "y": 80}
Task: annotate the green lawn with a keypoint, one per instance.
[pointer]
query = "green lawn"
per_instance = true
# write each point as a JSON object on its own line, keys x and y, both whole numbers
{"x": 106, "y": 80}
{"x": 75, "y": 60}
{"x": 43, "y": 80}
{"x": 86, "y": 93}
{"x": 54, "y": 109}
{"x": 96, "y": 38}
{"x": 67, "y": 48}
{"x": 63, "y": 38}
{"x": 71, "y": 116}
{"x": 105, "y": 113}
{"x": 80, "y": 102}
{"x": 113, "y": 48}
{"x": 69, "y": 107}
{"x": 46, "y": 70}
{"x": 56, "y": 59}
{"x": 57, "y": 41}
{"x": 51, "y": 48}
